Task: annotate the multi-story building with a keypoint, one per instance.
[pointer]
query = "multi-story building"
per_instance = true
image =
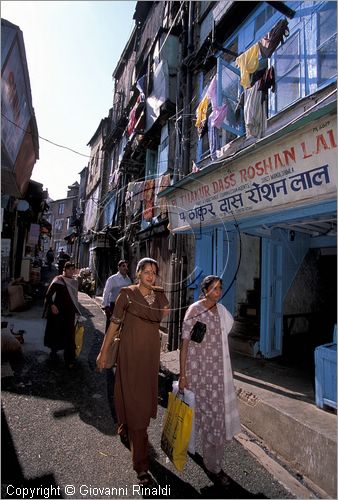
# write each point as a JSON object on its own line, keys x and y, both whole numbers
{"x": 262, "y": 203}
{"x": 95, "y": 239}
{"x": 62, "y": 215}
{"x": 219, "y": 159}
{"x": 19, "y": 152}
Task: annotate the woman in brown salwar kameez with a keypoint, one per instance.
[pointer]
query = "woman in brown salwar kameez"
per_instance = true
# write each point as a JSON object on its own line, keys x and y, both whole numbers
{"x": 205, "y": 368}
{"x": 143, "y": 307}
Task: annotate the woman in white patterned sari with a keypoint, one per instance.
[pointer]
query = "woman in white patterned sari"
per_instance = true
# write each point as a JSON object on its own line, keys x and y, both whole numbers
{"x": 205, "y": 368}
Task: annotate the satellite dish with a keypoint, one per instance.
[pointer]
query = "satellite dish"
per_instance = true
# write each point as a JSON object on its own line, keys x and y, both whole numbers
{"x": 22, "y": 206}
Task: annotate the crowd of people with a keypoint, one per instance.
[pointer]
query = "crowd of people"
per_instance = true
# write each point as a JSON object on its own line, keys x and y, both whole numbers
{"x": 135, "y": 312}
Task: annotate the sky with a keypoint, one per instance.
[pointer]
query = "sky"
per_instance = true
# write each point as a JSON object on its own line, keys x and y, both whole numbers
{"x": 72, "y": 49}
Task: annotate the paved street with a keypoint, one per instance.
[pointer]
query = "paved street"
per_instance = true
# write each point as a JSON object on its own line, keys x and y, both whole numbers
{"x": 58, "y": 431}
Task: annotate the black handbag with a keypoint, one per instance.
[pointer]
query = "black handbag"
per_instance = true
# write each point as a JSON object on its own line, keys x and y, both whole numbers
{"x": 198, "y": 331}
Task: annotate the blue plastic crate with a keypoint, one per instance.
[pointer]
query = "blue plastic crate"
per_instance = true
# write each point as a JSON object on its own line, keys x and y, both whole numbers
{"x": 326, "y": 375}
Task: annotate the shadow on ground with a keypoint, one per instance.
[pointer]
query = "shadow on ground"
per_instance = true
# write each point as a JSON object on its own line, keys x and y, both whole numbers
{"x": 12, "y": 478}
{"x": 82, "y": 386}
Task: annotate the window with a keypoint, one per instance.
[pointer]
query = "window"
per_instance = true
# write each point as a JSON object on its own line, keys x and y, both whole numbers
{"x": 327, "y": 43}
{"x": 204, "y": 6}
{"x": 151, "y": 164}
{"x": 263, "y": 17}
{"x": 287, "y": 69}
{"x": 58, "y": 224}
{"x": 305, "y": 60}
{"x": 163, "y": 151}
{"x": 61, "y": 208}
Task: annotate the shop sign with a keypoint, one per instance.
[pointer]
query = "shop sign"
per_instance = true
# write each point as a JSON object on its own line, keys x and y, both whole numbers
{"x": 293, "y": 170}
{"x": 15, "y": 104}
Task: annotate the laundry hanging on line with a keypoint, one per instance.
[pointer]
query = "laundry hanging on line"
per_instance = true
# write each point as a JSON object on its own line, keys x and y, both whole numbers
{"x": 248, "y": 61}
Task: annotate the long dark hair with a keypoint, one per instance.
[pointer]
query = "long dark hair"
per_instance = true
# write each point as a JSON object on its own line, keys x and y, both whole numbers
{"x": 207, "y": 282}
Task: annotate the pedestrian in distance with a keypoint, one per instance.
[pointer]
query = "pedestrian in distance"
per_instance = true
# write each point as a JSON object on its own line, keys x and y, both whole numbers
{"x": 63, "y": 258}
{"x": 111, "y": 290}
{"x": 205, "y": 368}
{"x": 141, "y": 308}
{"x": 50, "y": 258}
{"x": 61, "y": 308}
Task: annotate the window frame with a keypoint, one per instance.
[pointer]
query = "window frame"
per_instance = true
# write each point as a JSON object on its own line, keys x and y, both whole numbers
{"x": 331, "y": 79}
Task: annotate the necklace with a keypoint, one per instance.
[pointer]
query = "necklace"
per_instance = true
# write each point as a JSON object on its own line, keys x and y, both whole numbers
{"x": 150, "y": 297}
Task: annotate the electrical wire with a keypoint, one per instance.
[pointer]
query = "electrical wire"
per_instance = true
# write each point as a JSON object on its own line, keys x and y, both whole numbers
{"x": 43, "y": 138}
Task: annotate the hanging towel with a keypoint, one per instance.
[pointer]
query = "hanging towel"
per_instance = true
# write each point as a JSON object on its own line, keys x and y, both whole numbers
{"x": 248, "y": 63}
{"x": 148, "y": 199}
{"x": 163, "y": 202}
{"x": 137, "y": 196}
{"x": 269, "y": 43}
{"x": 267, "y": 81}
{"x": 132, "y": 119}
{"x": 212, "y": 91}
{"x": 217, "y": 116}
{"x": 213, "y": 139}
{"x": 201, "y": 114}
{"x": 254, "y": 115}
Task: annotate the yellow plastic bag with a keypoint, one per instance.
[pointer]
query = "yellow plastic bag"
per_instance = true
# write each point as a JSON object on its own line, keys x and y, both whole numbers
{"x": 79, "y": 331}
{"x": 176, "y": 431}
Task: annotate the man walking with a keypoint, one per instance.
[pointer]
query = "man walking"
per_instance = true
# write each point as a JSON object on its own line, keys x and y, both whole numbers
{"x": 111, "y": 290}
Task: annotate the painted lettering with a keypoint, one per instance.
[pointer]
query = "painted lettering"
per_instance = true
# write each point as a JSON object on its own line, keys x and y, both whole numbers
{"x": 278, "y": 161}
{"x": 251, "y": 172}
{"x": 289, "y": 154}
{"x": 331, "y": 137}
{"x": 242, "y": 173}
{"x": 305, "y": 153}
{"x": 321, "y": 143}
{"x": 267, "y": 165}
{"x": 206, "y": 191}
{"x": 259, "y": 169}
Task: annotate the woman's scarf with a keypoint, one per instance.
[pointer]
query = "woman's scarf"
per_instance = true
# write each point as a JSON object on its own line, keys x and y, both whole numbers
{"x": 231, "y": 416}
{"x": 72, "y": 287}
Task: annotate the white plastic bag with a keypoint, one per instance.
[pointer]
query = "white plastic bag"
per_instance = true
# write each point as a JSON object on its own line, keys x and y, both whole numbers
{"x": 189, "y": 399}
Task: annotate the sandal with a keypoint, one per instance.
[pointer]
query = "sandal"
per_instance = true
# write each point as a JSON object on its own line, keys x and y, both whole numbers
{"x": 221, "y": 479}
{"x": 144, "y": 478}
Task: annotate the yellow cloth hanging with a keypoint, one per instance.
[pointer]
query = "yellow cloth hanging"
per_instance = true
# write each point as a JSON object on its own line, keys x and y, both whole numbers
{"x": 201, "y": 111}
{"x": 248, "y": 63}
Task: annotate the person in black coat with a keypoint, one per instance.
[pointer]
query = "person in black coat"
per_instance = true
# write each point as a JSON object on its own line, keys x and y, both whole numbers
{"x": 61, "y": 307}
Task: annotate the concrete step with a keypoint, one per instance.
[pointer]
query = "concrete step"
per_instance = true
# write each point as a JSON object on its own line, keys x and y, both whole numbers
{"x": 277, "y": 404}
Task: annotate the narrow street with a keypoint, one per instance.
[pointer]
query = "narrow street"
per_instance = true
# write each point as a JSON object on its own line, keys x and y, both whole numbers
{"x": 58, "y": 433}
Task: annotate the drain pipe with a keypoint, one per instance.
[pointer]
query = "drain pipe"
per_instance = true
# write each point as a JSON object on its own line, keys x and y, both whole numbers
{"x": 186, "y": 123}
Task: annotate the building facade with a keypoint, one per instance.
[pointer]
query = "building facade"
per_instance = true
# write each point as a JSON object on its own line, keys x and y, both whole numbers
{"x": 262, "y": 205}
{"x": 218, "y": 157}
{"x": 62, "y": 217}
{"x": 21, "y": 199}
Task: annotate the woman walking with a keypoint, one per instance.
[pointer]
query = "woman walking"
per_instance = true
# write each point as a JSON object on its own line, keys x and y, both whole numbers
{"x": 141, "y": 307}
{"x": 61, "y": 306}
{"x": 205, "y": 368}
